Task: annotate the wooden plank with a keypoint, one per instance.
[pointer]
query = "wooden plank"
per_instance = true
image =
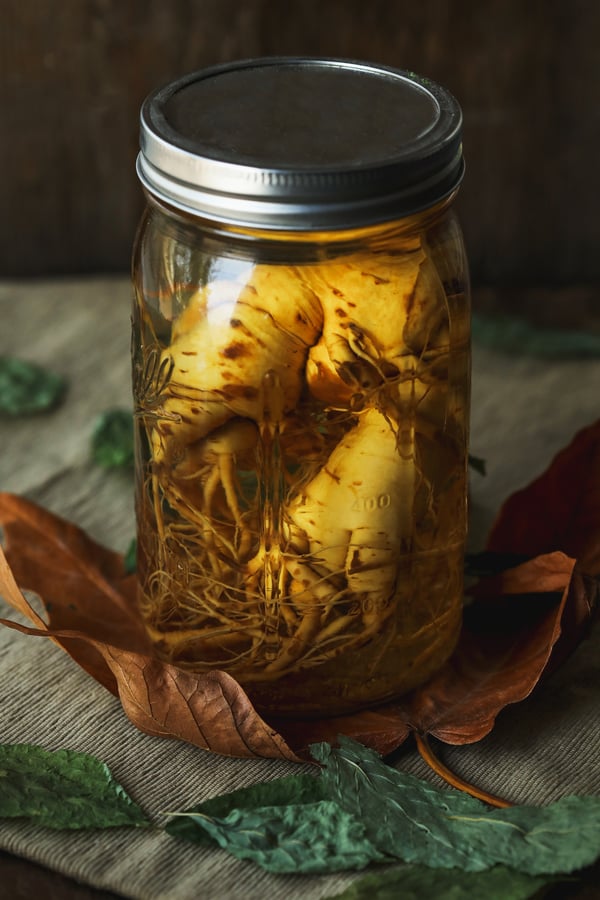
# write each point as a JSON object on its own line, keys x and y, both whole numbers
{"x": 526, "y": 74}
{"x": 527, "y": 77}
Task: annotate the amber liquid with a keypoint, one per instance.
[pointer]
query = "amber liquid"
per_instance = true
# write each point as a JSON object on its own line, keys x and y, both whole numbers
{"x": 301, "y": 483}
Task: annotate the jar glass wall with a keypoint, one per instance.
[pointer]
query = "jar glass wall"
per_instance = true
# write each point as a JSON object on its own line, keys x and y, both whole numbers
{"x": 301, "y": 427}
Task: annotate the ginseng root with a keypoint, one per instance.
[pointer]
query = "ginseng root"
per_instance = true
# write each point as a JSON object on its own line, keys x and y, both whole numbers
{"x": 284, "y": 543}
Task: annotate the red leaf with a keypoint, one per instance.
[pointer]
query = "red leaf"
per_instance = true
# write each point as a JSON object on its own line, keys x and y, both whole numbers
{"x": 560, "y": 510}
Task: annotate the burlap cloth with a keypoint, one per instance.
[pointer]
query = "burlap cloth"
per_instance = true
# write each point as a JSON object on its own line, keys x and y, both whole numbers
{"x": 523, "y": 412}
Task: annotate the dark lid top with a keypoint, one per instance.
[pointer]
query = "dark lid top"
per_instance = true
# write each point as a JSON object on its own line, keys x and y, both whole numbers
{"x": 292, "y": 143}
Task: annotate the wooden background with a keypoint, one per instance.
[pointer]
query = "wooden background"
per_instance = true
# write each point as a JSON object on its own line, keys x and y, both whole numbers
{"x": 73, "y": 74}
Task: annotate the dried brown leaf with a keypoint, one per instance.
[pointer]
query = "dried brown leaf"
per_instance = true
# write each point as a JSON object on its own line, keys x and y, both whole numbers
{"x": 511, "y": 633}
{"x": 77, "y": 577}
{"x": 90, "y": 600}
{"x": 83, "y": 586}
{"x": 381, "y": 729}
{"x": 506, "y": 643}
{"x": 211, "y": 710}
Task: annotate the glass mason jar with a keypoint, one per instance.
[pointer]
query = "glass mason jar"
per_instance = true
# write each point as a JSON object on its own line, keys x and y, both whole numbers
{"x": 301, "y": 374}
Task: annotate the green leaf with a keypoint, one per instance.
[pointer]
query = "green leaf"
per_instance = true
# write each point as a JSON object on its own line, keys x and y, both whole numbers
{"x": 515, "y": 336}
{"x": 419, "y": 823}
{"x": 64, "y": 789}
{"x": 130, "y": 560}
{"x": 478, "y": 464}
{"x": 293, "y": 789}
{"x": 423, "y": 883}
{"x": 310, "y": 838}
{"x": 360, "y": 810}
{"x": 26, "y": 389}
{"x": 284, "y": 826}
{"x": 112, "y": 439}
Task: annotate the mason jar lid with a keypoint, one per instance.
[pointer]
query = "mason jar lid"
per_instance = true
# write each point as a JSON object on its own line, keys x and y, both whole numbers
{"x": 288, "y": 143}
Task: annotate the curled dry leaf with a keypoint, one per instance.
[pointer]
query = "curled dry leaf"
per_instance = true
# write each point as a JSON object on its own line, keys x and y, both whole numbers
{"x": 382, "y": 729}
{"x": 506, "y": 643}
{"x": 511, "y": 634}
{"x": 211, "y": 710}
{"x": 83, "y": 586}
{"x": 90, "y": 606}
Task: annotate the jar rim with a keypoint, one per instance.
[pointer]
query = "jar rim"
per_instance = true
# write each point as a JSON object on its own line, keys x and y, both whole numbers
{"x": 299, "y": 143}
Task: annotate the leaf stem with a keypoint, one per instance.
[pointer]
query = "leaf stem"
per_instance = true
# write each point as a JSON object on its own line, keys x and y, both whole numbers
{"x": 427, "y": 754}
